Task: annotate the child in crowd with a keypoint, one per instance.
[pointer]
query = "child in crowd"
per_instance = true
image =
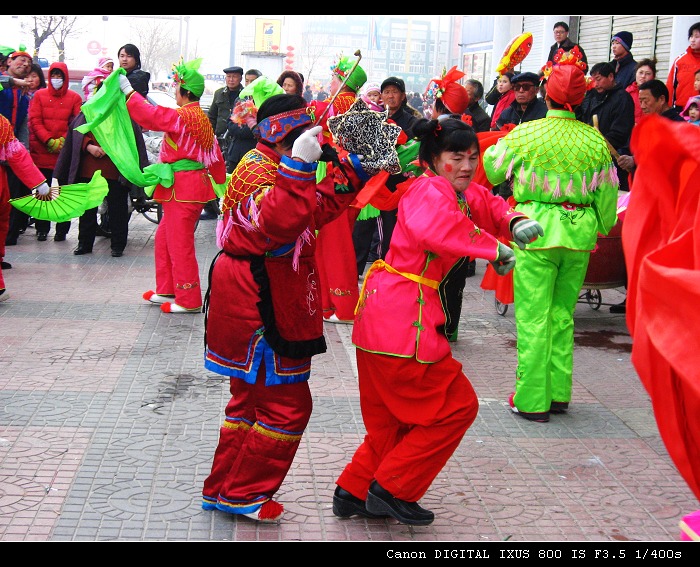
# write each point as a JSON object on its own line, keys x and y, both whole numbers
{"x": 691, "y": 112}
{"x": 90, "y": 81}
{"x": 372, "y": 96}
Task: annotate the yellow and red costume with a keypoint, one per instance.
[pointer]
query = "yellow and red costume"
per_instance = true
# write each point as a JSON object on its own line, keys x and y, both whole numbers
{"x": 190, "y": 146}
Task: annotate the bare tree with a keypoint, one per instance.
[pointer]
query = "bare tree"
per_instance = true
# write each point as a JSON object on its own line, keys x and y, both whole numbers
{"x": 42, "y": 28}
{"x": 159, "y": 50}
{"x": 67, "y": 27}
{"x": 313, "y": 48}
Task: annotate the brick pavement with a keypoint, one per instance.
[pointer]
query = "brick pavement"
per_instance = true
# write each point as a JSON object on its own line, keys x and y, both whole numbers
{"x": 108, "y": 422}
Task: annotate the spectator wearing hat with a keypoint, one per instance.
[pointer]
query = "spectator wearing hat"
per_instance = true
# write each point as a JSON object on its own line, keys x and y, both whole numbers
{"x": 394, "y": 98}
{"x": 681, "y": 75}
{"x": 573, "y": 198}
{"x": 219, "y": 116}
{"x": 623, "y": 61}
{"x": 371, "y": 94}
{"x": 526, "y": 106}
{"x": 239, "y": 137}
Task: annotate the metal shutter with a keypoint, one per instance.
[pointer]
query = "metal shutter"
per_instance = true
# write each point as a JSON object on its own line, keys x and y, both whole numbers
{"x": 594, "y": 34}
{"x": 534, "y": 61}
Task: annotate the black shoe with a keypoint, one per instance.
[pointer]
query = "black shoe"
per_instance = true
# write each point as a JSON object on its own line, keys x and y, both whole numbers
{"x": 5, "y": 265}
{"x": 619, "y": 308}
{"x": 380, "y": 501}
{"x": 117, "y": 253}
{"x": 41, "y": 236}
{"x": 346, "y": 505}
{"x": 59, "y": 237}
{"x": 208, "y": 216}
{"x": 558, "y": 407}
{"x": 80, "y": 250}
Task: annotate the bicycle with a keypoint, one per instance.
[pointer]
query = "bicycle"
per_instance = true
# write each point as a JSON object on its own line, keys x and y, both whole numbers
{"x": 148, "y": 208}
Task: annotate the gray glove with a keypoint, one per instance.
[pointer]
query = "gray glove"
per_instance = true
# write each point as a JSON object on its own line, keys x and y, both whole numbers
{"x": 526, "y": 231}
{"x": 505, "y": 261}
{"x": 306, "y": 146}
{"x": 125, "y": 85}
{"x": 43, "y": 189}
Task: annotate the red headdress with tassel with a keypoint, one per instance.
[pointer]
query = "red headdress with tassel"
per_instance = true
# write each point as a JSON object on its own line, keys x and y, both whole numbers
{"x": 566, "y": 81}
{"x": 454, "y": 96}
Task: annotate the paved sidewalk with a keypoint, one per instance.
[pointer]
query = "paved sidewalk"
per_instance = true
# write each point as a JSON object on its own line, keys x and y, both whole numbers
{"x": 108, "y": 422}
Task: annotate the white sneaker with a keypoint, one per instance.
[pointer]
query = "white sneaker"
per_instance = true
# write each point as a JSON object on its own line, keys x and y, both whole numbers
{"x": 334, "y": 319}
{"x": 4, "y": 295}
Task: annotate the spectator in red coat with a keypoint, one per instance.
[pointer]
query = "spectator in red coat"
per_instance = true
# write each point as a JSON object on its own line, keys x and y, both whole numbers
{"x": 51, "y": 111}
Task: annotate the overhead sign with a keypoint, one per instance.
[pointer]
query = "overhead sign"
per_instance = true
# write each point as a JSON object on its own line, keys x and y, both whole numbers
{"x": 268, "y": 34}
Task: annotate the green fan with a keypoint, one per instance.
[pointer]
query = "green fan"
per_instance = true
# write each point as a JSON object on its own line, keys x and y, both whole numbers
{"x": 66, "y": 202}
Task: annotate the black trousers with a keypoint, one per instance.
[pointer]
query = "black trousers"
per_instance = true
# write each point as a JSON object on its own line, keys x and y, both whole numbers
{"x": 44, "y": 225}
{"x": 118, "y": 207}
{"x": 363, "y": 233}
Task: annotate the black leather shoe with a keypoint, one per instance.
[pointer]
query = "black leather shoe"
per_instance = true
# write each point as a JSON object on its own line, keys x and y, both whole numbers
{"x": 346, "y": 505}
{"x": 59, "y": 237}
{"x": 5, "y": 265}
{"x": 117, "y": 253}
{"x": 380, "y": 501}
{"x": 80, "y": 250}
{"x": 558, "y": 407}
{"x": 41, "y": 236}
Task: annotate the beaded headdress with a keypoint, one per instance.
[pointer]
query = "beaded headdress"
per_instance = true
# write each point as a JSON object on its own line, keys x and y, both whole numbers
{"x": 454, "y": 96}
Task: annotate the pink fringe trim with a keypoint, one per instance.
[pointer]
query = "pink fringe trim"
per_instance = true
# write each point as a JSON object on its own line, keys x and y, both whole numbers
{"x": 509, "y": 173}
{"x": 303, "y": 238}
{"x": 584, "y": 189}
{"x": 499, "y": 160}
{"x": 10, "y": 149}
{"x": 570, "y": 185}
{"x": 545, "y": 185}
{"x": 521, "y": 176}
{"x": 557, "y": 188}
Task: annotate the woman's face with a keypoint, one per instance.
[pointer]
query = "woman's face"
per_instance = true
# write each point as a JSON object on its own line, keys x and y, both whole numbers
{"x": 644, "y": 74}
{"x": 33, "y": 80}
{"x": 289, "y": 86}
{"x": 127, "y": 62}
{"x": 458, "y": 167}
{"x": 336, "y": 81}
{"x": 503, "y": 85}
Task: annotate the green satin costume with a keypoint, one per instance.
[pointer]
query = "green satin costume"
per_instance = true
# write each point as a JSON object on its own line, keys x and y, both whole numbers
{"x": 563, "y": 177}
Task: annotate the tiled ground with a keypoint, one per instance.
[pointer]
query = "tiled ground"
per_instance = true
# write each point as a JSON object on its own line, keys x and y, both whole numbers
{"x": 108, "y": 423}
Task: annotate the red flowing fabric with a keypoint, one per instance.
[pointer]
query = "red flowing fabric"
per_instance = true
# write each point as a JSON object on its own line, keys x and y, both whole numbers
{"x": 661, "y": 240}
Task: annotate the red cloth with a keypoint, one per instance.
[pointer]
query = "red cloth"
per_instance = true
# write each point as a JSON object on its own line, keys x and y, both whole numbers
{"x": 659, "y": 237}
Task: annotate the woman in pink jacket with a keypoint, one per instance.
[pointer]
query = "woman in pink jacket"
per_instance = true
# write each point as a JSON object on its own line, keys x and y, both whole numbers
{"x": 416, "y": 401}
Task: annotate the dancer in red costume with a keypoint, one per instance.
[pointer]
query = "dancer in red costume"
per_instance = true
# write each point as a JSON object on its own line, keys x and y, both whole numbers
{"x": 264, "y": 319}
{"x": 335, "y": 251}
{"x": 190, "y": 152}
{"x": 15, "y": 155}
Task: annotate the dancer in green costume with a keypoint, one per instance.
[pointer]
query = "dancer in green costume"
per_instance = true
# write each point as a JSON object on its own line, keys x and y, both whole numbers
{"x": 563, "y": 177}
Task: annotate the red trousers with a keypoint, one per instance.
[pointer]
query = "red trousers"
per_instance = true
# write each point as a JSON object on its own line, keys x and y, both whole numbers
{"x": 5, "y": 209}
{"x": 177, "y": 271}
{"x": 257, "y": 442}
{"x": 415, "y": 416}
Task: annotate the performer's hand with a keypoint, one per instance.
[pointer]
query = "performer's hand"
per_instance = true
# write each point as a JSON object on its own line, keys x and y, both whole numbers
{"x": 125, "y": 85}
{"x": 43, "y": 189}
{"x": 505, "y": 261}
{"x": 526, "y": 231}
{"x": 306, "y": 147}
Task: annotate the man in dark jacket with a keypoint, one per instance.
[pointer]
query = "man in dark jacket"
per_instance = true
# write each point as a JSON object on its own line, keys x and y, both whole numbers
{"x": 240, "y": 138}
{"x": 614, "y": 107}
{"x": 219, "y": 115}
{"x": 481, "y": 121}
{"x": 623, "y": 62}
{"x": 562, "y": 41}
{"x": 526, "y": 106}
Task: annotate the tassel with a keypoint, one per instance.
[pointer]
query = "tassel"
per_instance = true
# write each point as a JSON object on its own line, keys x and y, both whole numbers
{"x": 584, "y": 189}
{"x": 557, "y": 188}
{"x": 533, "y": 181}
{"x": 521, "y": 176}
{"x": 545, "y": 186}
{"x": 499, "y": 160}
{"x": 509, "y": 173}
{"x": 570, "y": 185}
{"x": 594, "y": 182}
{"x": 303, "y": 238}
